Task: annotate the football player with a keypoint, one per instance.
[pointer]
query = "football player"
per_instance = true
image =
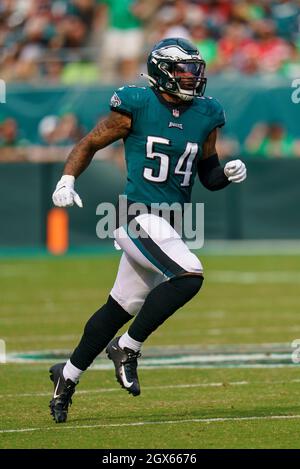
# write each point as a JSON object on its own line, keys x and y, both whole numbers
{"x": 169, "y": 130}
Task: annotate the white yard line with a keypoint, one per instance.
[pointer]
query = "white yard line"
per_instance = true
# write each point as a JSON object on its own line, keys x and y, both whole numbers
{"x": 161, "y": 422}
{"x": 44, "y": 338}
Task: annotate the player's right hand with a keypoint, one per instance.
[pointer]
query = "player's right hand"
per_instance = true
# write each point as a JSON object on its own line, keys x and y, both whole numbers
{"x": 64, "y": 194}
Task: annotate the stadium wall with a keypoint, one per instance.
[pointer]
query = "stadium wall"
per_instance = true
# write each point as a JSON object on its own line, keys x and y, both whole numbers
{"x": 265, "y": 207}
{"x": 247, "y": 101}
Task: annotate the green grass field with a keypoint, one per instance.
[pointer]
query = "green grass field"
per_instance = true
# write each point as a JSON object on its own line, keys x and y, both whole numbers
{"x": 248, "y": 303}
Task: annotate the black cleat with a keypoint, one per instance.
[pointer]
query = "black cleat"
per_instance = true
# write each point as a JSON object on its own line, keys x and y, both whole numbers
{"x": 125, "y": 361}
{"x": 63, "y": 392}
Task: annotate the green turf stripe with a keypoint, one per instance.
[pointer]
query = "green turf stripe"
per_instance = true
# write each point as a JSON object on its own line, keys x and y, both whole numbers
{"x": 183, "y": 360}
{"x": 211, "y": 248}
{"x": 103, "y": 249}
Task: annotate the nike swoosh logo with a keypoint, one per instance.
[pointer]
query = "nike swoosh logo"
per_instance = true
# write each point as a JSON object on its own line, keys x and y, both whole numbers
{"x": 115, "y": 348}
{"x": 127, "y": 384}
{"x": 56, "y": 395}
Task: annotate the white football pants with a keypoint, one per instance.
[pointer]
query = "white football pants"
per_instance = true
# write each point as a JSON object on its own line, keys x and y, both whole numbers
{"x": 153, "y": 253}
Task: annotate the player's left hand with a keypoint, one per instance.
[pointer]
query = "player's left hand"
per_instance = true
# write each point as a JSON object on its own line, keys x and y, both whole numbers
{"x": 235, "y": 171}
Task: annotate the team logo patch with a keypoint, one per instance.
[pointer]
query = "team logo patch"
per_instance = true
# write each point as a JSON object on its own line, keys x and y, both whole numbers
{"x": 175, "y": 113}
{"x": 115, "y": 100}
{"x": 176, "y": 124}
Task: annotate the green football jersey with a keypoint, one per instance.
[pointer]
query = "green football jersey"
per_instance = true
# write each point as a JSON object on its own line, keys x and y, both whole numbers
{"x": 164, "y": 143}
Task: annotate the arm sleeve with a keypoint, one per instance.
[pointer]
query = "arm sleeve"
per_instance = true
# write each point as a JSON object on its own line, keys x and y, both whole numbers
{"x": 220, "y": 118}
{"x": 211, "y": 173}
{"x": 126, "y": 100}
{"x": 120, "y": 105}
{"x": 217, "y": 114}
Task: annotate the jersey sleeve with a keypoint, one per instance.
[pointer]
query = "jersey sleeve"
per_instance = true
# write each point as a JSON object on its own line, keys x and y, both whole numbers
{"x": 125, "y": 100}
{"x": 217, "y": 114}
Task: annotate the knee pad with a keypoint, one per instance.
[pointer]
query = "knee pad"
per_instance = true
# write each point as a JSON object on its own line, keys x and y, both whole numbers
{"x": 188, "y": 285}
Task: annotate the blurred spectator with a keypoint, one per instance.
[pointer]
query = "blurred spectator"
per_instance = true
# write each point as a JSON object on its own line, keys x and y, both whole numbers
{"x": 9, "y": 134}
{"x": 68, "y": 131}
{"x": 122, "y": 40}
{"x": 272, "y": 50}
{"x": 285, "y": 14}
{"x": 249, "y": 10}
{"x": 271, "y": 141}
{"x": 39, "y": 36}
{"x": 65, "y": 40}
{"x": 235, "y": 48}
{"x": 73, "y": 31}
{"x": 169, "y": 21}
{"x": 60, "y": 131}
{"x": 217, "y": 13}
{"x": 46, "y": 130}
{"x": 207, "y": 45}
{"x": 52, "y": 69}
{"x": 291, "y": 66}
{"x": 84, "y": 9}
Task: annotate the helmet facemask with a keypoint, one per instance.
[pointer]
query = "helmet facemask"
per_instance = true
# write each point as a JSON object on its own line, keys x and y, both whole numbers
{"x": 184, "y": 78}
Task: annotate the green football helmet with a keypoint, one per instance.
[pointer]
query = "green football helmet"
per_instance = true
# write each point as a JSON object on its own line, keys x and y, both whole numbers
{"x": 176, "y": 67}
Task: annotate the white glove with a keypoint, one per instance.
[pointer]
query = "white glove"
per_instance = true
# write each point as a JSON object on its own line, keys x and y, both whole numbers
{"x": 235, "y": 171}
{"x": 64, "y": 194}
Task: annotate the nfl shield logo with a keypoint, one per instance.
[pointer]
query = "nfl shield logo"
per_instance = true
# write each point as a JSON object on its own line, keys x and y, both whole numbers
{"x": 175, "y": 113}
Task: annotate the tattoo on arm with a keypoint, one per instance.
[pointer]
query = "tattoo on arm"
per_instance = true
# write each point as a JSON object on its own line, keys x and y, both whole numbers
{"x": 108, "y": 130}
{"x": 209, "y": 146}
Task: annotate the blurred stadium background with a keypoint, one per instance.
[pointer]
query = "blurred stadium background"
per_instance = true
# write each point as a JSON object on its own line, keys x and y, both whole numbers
{"x": 61, "y": 61}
